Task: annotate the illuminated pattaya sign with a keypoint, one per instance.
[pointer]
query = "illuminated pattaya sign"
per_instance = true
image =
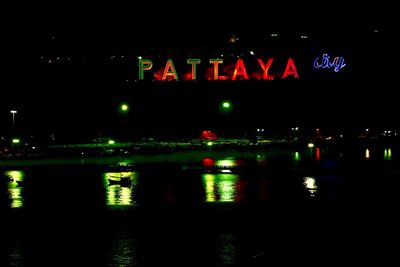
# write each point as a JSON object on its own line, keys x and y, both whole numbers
{"x": 323, "y": 62}
{"x": 238, "y": 72}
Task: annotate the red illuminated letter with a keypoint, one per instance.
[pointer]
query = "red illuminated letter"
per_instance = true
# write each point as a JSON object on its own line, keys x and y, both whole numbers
{"x": 216, "y": 62}
{"x": 290, "y": 69}
{"x": 169, "y": 71}
{"x": 194, "y": 62}
{"x": 265, "y": 68}
{"x": 240, "y": 70}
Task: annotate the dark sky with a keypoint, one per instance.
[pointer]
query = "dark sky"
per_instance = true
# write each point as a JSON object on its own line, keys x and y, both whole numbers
{"x": 72, "y": 63}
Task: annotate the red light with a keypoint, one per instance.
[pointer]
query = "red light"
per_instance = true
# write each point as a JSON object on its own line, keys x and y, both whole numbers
{"x": 208, "y": 135}
{"x": 265, "y": 68}
{"x": 208, "y": 162}
{"x": 240, "y": 70}
{"x": 290, "y": 69}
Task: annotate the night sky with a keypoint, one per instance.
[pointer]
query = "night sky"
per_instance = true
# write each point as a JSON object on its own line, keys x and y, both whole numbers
{"x": 69, "y": 66}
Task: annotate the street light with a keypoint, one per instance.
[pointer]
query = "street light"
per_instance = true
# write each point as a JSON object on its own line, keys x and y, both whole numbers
{"x": 225, "y": 108}
{"x": 123, "y": 108}
{"x": 13, "y": 112}
{"x": 226, "y": 105}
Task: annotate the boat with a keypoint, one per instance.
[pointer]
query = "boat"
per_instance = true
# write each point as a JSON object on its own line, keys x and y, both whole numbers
{"x": 119, "y": 180}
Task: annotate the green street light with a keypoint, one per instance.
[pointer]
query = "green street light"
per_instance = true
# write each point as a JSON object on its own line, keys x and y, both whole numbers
{"x": 226, "y": 105}
{"x": 225, "y": 109}
{"x": 111, "y": 142}
{"x": 123, "y": 108}
{"x": 15, "y": 140}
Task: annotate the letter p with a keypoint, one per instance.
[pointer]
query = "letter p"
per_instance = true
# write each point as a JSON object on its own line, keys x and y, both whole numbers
{"x": 144, "y": 64}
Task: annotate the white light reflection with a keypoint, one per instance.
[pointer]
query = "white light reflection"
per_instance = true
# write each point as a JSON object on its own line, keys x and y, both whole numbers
{"x": 310, "y": 185}
{"x": 367, "y": 154}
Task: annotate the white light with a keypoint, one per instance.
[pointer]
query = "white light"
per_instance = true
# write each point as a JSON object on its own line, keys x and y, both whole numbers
{"x": 274, "y": 35}
{"x": 297, "y": 128}
{"x": 252, "y": 53}
{"x": 309, "y": 183}
{"x": 13, "y": 111}
{"x": 139, "y": 57}
{"x": 310, "y": 145}
{"x": 303, "y": 36}
{"x": 258, "y": 130}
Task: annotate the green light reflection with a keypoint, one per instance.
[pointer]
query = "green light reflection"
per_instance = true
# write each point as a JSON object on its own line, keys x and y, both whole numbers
{"x": 226, "y": 163}
{"x": 296, "y": 156}
{"x": 387, "y": 154}
{"x": 120, "y": 188}
{"x": 15, "y": 188}
{"x": 220, "y": 187}
{"x": 227, "y": 249}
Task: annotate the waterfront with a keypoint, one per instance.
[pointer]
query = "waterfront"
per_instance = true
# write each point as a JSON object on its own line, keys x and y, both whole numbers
{"x": 312, "y": 206}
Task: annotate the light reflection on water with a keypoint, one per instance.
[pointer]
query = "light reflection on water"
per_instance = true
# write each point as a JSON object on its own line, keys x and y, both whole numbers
{"x": 123, "y": 252}
{"x": 367, "y": 154}
{"x": 120, "y": 188}
{"x": 296, "y": 156}
{"x": 16, "y": 255}
{"x": 226, "y": 249}
{"x": 310, "y": 185}
{"x": 15, "y": 188}
{"x": 223, "y": 187}
{"x": 220, "y": 187}
{"x": 226, "y": 163}
{"x": 317, "y": 154}
{"x": 387, "y": 154}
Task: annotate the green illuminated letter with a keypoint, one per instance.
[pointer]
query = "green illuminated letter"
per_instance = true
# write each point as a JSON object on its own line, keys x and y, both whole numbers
{"x": 144, "y": 64}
